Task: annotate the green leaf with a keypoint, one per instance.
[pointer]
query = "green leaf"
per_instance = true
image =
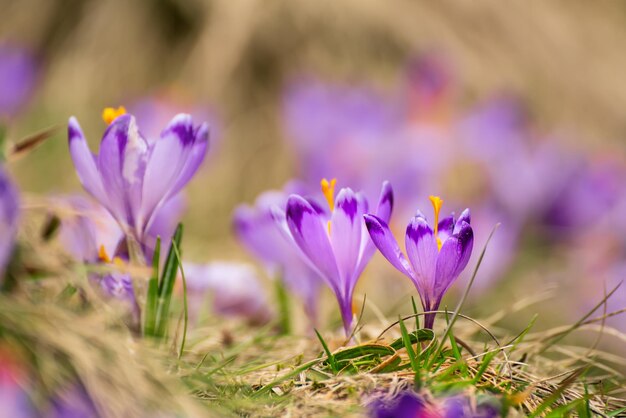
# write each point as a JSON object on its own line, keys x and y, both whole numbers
{"x": 363, "y": 350}
{"x": 153, "y": 293}
{"x": 417, "y": 318}
{"x": 166, "y": 285}
{"x": 284, "y": 317}
{"x": 406, "y": 339}
{"x": 331, "y": 358}
{"x": 616, "y": 412}
{"x": 417, "y": 336}
{"x": 185, "y": 308}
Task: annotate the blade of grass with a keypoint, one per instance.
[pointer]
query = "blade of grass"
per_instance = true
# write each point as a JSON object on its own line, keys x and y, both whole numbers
{"x": 185, "y": 308}
{"x": 455, "y": 348}
{"x": 406, "y": 339}
{"x": 153, "y": 292}
{"x": 417, "y": 318}
{"x": 282, "y": 299}
{"x": 616, "y": 412}
{"x": 331, "y": 358}
{"x": 166, "y": 285}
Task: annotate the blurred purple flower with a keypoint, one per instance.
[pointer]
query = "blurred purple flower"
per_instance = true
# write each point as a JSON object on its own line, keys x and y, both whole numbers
{"x": 411, "y": 405}
{"x": 18, "y": 73}
{"x": 462, "y": 406}
{"x": 9, "y": 213}
{"x": 257, "y": 231}
{"x": 72, "y": 402}
{"x": 436, "y": 257}
{"x": 89, "y": 233}
{"x": 335, "y": 243}
{"x": 355, "y": 123}
{"x": 428, "y": 80}
{"x": 14, "y": 388}
{"x": 133, "y": 177}
{"x": 407, "y": 405}
{"x": 87, "y": 228}
{"x": 236, "y": 290}
{"x": 363, "y": 137}
{"x": 587, "y": 197}
{"x": 524, "y": 172}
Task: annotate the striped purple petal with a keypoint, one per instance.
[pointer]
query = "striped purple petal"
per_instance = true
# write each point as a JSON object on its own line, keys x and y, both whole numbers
{"x": 445, "y": 228}
{"x": 175, "y": 158}
{"x": 464, "y": 218}
{"x": 383, "y": 212}
{"x": 85, "y": 162}
{"x": 308, "y": 229}
{"x": 345, "y": 236}
{"x": 453, "y": 258}
{"x": 421, "y": 248}
{"x": 388, "y": 246}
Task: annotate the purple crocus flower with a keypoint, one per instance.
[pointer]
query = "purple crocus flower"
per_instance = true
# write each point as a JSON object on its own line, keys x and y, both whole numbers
{"x": 335, "y": 243}
{"x": 461, "y": 406}
{"x": 87, "y": 228}
{"x": 436, "y": 257}
{"x": 9, "y": 211}
{"x": 90, "y": 234}
{"x": 18, "y": 73}
{"x": 134, "y": 177}
{"x": 407, "y": 405}
{"x": 257, "y": 231}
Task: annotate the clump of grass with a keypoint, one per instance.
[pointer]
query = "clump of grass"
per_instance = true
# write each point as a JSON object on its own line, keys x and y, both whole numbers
{"x": 68, "y": 335}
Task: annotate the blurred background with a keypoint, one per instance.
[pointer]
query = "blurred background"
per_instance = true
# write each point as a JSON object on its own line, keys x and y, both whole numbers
{"x": 513, "y": 109}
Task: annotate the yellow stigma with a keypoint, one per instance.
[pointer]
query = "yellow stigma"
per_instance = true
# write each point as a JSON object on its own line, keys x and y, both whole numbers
{"x": 437, "y": 202}
{"x": 328, "y": 188}
{"x": 109, "y": 114}
{"x": 102, "y": 254}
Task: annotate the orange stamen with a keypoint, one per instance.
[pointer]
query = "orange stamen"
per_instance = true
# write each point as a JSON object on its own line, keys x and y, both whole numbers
{"x": 109, "y": 114}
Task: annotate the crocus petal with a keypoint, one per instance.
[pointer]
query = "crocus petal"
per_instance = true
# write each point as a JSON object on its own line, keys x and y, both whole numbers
{"x": 164, "y": 223}
{"x": 168, "y": 159}
{"x": 194, "y": 159}
{"x": 121, "y": 141}
{"x": 453, "y": 257}
{"x": 421, "y": 248}
{"x": 84, "y": 161}
{"x": 345, "y": 235}
{"x": 86, "y": 227}
{"x": 464, "y": 218}
{"x": 308, "y": 229}
{"x": 383, "y": 212}
{"x": 259, "y": 233}
{"x": 9, "y": 212}
{"x": 445, "y": 228}
{"x": 387, "y": 245}
{"x": 385, "y": 202}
